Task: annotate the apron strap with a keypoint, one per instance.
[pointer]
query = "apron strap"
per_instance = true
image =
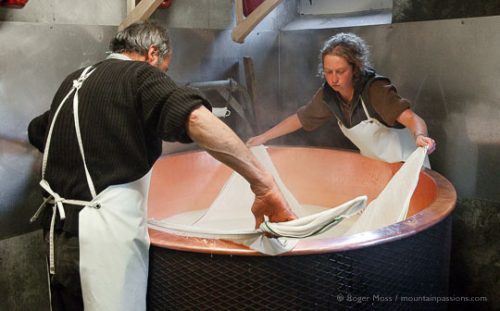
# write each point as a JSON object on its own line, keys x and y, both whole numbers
{"x": 49, "y": 136}
{"x": 364, "y": 108}
{"x": 57, "y": 206}
{"x": 77, "y": 84}
{"x": 54, "y": 198}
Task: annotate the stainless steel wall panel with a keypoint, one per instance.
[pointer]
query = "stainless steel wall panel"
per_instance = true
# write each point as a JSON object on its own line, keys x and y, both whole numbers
{"x": 319, "y": 7}
{"x": 203, "y": 14}
{"x": 204, "y": 55}
{"x": 218, "y": 14}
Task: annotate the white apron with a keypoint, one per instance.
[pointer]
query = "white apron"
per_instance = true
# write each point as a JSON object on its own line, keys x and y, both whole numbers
{"x": 380, "y": 142}
{"x": 113, "y": 236}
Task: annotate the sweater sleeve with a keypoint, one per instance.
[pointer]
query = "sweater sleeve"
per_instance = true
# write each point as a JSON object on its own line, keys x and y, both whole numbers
{"x": 166, "y": 106}
{"x": 386, "y": 101}
{"x": 37, "y": 130}
{"x": 175, "y": 113}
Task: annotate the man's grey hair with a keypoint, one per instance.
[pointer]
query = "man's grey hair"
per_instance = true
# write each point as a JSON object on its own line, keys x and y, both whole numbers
{"x": 350, "y": 47}
{"x": 139, "y": 37}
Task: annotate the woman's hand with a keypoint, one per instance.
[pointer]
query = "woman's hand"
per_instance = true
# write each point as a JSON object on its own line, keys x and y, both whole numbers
{"x": 424, "y": 141}
{"x": 418, "y": 128}
{"x": 256, "y": 140}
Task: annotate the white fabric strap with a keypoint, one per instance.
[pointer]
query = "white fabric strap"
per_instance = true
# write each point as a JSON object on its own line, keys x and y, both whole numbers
{"x": 368, "y": 117}
{"x": 40, "y": 209}
{"x": 49, "y": 136}
{"x": 77, "y": 84}
{"x": 57, "y": 200}
{"x": 52, "y": 265}
{"x": 54, "y": 198}
{"x": 57, "y": 206}
{"x": 84, "y": 75}
{"x": 365, "y": 109}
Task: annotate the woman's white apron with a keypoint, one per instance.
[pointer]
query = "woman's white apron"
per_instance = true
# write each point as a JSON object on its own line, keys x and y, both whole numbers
{"x": 113, "y": 236}
{"x": 380, "y": 142}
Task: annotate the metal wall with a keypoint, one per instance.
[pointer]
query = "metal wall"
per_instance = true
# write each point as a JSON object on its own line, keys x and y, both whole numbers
{"x": 88, "y": 12}
{"x": 319, "y": 7}
{"x": 447, "y": 69}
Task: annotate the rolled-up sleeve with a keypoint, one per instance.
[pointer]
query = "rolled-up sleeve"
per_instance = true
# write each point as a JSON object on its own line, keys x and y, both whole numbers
{"x": 175, "y": 113}
{"x": 315, "y": 113}
{"x": 167, "y": 107}
{"x": 386, "y": 101}
{"x": 37, "y": 130}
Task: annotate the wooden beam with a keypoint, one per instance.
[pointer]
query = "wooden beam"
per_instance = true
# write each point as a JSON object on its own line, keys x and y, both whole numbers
{"x": 249, "y": 76}
{"x": 141, "y": 12}
{"x": 244, "y": 27}
{"x": 251, "y": 89}
{"x": 130, "y": 5}
{"x": 239, "y": 11}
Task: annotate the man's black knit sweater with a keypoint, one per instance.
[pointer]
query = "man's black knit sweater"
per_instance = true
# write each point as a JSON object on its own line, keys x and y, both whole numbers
{"x": 126, "y": 108}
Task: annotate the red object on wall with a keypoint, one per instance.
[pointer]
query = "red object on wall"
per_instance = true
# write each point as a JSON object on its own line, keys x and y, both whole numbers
{"x": 250, "y": 5}
{"x": 13, "y": 3}
{"x": 166, "y": 4}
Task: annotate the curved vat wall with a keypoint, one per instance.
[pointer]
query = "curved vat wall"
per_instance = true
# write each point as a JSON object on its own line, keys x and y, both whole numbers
{"x": 408, "y": 259}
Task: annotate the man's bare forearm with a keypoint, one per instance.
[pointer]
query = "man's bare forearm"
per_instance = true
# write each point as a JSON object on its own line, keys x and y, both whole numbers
{"x": 223, "y": 144}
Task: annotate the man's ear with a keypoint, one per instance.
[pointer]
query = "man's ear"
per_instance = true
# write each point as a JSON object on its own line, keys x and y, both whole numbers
{"x": 152, "y": 57}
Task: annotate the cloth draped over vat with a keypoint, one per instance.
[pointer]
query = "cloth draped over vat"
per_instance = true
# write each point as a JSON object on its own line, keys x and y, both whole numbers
{"x": 230, "y": 218}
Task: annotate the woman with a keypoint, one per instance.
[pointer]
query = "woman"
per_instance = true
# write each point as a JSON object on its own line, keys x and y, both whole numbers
{"x": 367, "y": 106}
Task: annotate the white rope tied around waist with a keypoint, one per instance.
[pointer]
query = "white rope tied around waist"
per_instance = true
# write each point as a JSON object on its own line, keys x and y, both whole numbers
{"x": 57, "y": 206}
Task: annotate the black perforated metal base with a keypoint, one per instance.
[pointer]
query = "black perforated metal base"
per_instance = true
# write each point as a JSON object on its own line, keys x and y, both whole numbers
{"x": 400, "y": 275}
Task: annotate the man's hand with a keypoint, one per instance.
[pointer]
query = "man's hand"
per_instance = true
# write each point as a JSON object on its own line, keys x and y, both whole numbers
{"x": 223, "y": 144}
{"x": 273, "y": 205}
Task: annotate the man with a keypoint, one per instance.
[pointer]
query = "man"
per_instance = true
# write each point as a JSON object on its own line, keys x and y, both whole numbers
{"x": 99, "y": 140}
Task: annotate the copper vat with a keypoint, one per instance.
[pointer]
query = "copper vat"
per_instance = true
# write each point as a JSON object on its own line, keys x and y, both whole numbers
{"x": 341, "y": 267}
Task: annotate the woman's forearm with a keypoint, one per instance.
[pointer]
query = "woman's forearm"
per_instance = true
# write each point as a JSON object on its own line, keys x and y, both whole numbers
{"x": 287, "y": 126}
{"x": 418, "y": 128}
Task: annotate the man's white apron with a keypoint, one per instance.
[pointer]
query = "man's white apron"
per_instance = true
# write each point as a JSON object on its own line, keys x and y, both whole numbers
{"x": 380, "y": 142}
{"x": 113, "y": 236}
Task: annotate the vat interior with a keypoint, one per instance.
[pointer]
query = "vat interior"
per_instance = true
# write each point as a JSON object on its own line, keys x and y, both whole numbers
{"x": 322, "y": 177}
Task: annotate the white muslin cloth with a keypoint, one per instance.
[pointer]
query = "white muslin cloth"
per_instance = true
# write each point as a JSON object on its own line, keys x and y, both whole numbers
{"x": 229, "y": 217}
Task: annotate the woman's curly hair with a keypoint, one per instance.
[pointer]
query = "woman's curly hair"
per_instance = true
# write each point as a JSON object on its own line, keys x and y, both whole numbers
{"x": 350, "y": 47}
